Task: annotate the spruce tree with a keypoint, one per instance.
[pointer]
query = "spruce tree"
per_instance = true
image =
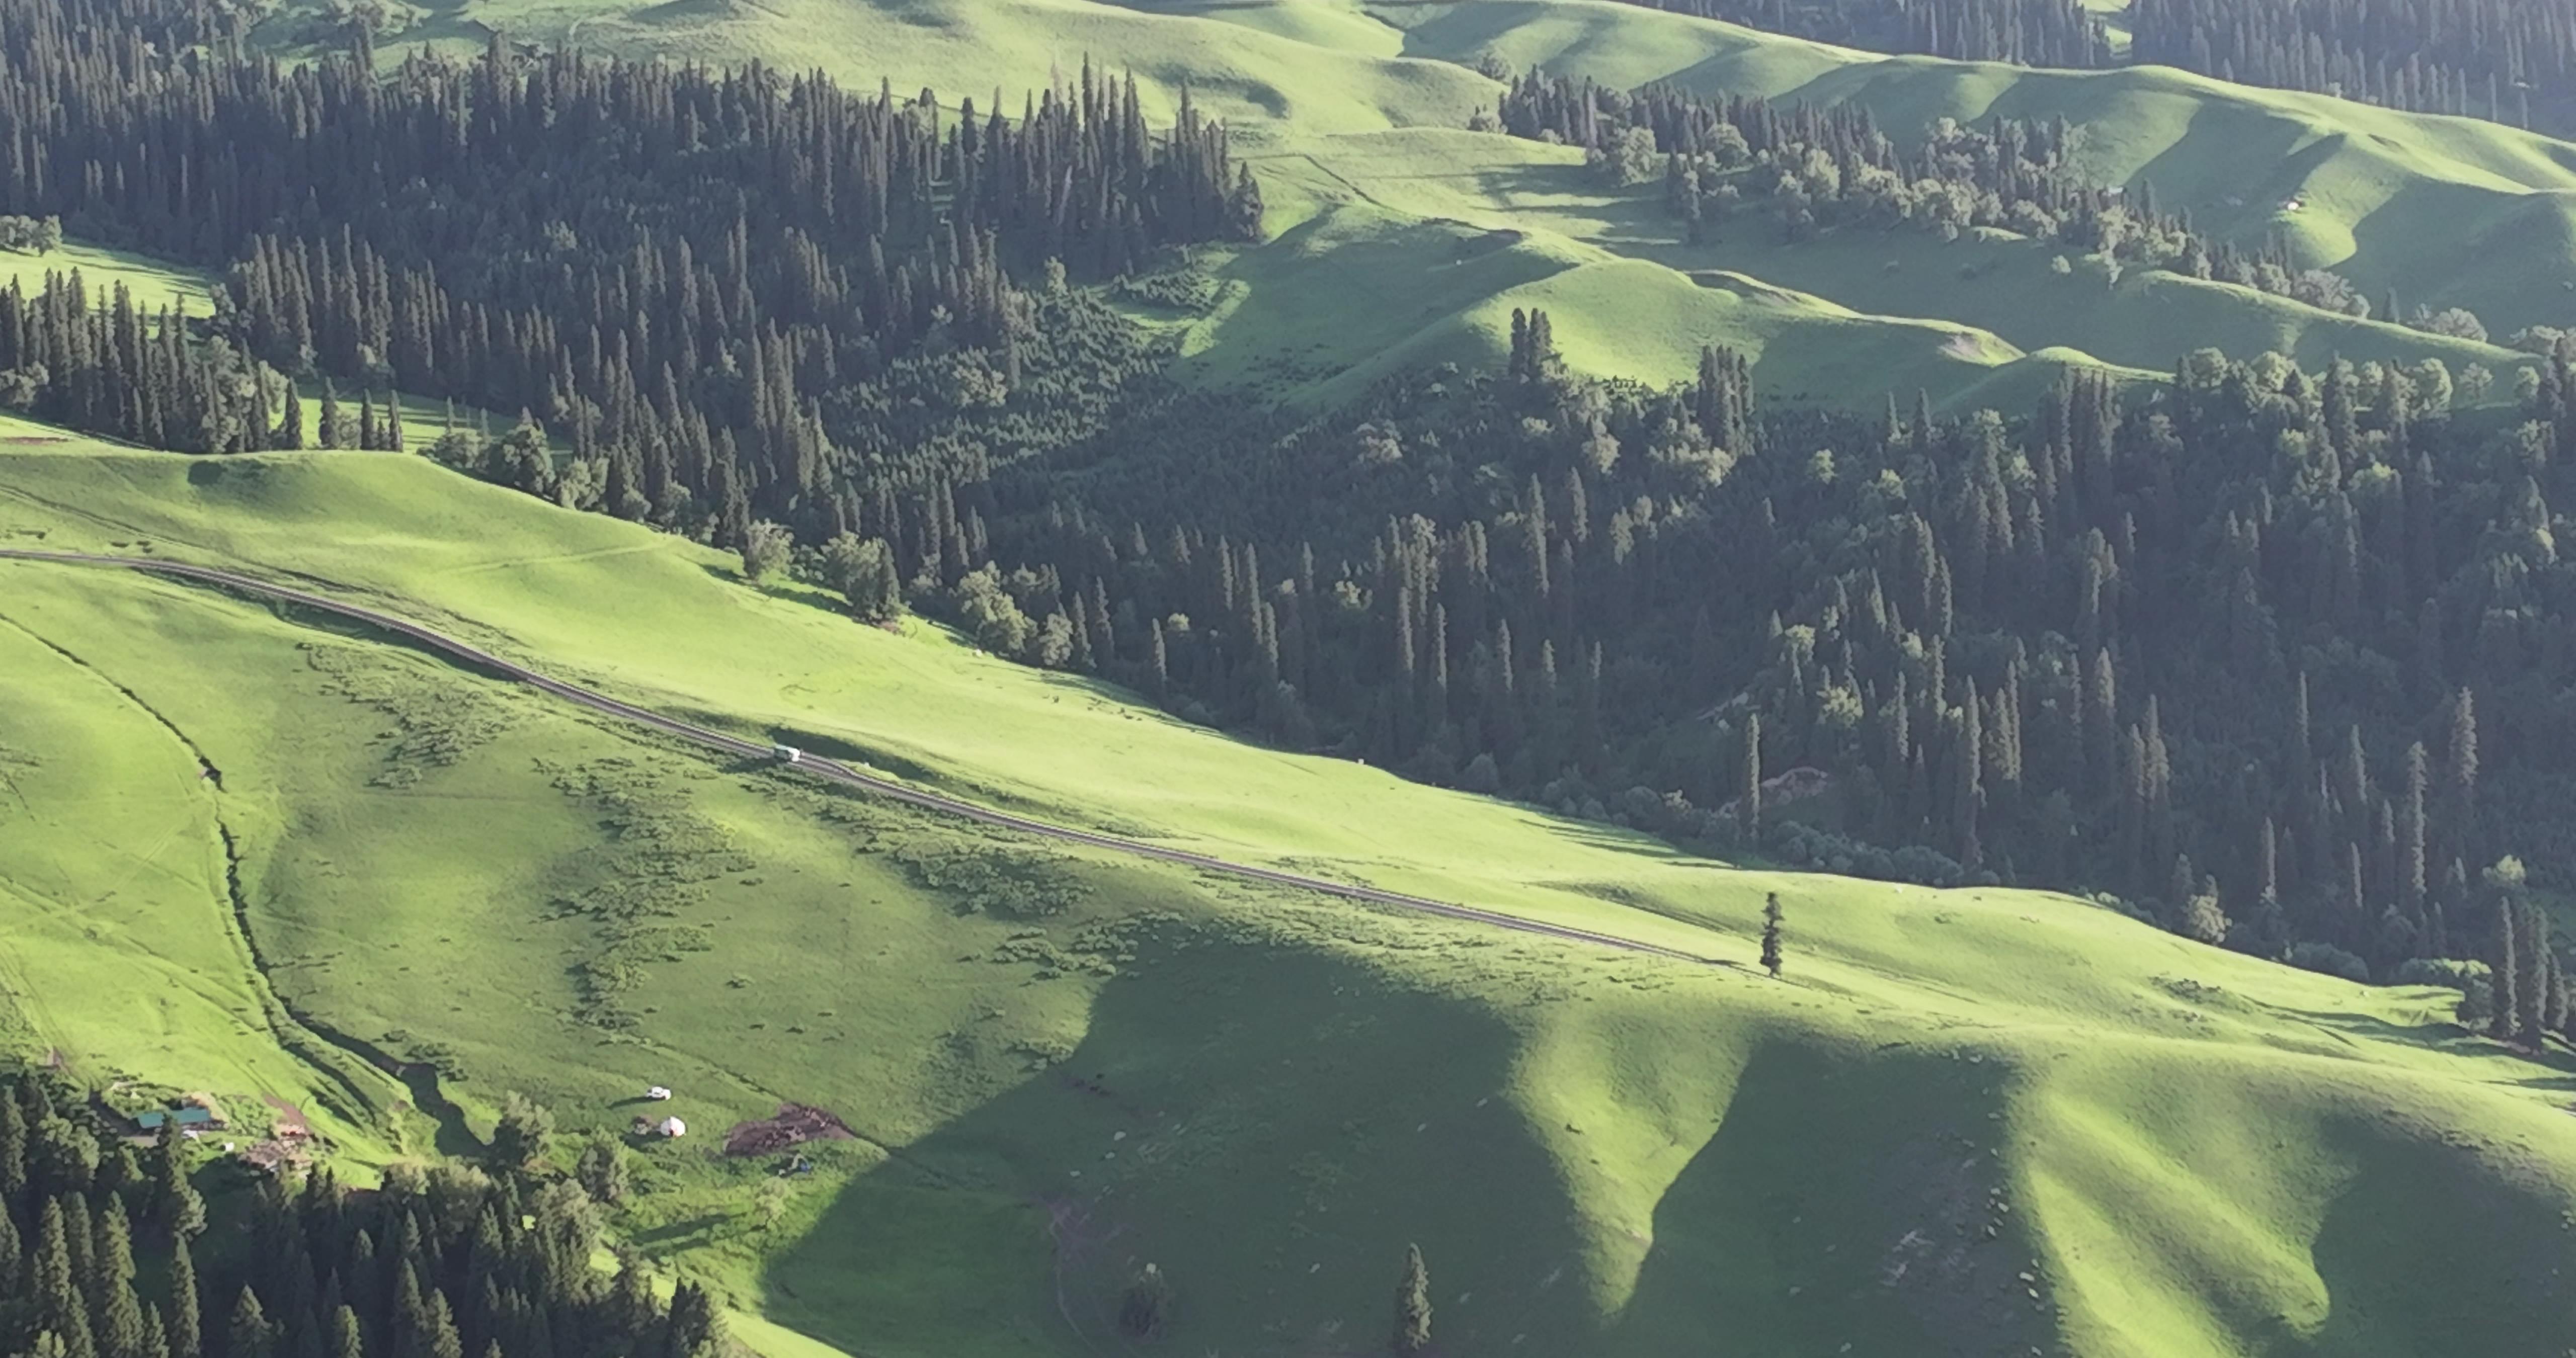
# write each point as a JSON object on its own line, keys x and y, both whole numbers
{"x": 13, "y": 1250}
{"x": 1748, "y": 792}
{"x": 250, "y": 1335}
{"x": 13, "y": 1152}
{"x": 2534, "y": 985}
{"x": 178, "y": 1209}
{"x": 693, "y": 1329}
{"x": 185, "y": 1327}
{"x": 2505, "y": 971}
{"x": 118, "y": 1313}
{"x": 348, "y": 1340}
{"x": 439, "y": 1338}
{"x": 59, "y": 1305}
{"x": 520, "y": 1138}
{"x": 601, "y": 1169}
{"x": 328, "y": 432}
{"x": 1771, "y": 958}
{"x": 1413, "y": 1306}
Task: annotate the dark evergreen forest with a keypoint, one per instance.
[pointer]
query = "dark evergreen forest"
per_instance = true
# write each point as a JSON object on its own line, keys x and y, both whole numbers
{"x": 2025, "y": 32}
{"x": 1742, "y": 163}
{"x": 108, "y": 1253}
{"x": 2508, "y": 61}
{"x": 2278, "y": 658}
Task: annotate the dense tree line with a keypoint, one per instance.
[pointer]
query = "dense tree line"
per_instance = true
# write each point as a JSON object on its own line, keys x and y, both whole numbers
{"x": 2231, "y": 653}
{"x": 2511, "y": 61}
{"x": 2269, "y": 654}
{"x": 99, "y": 1259}
{"x": 732, "y": 291}
{"x": 2025, "y": 32}
{"x": 101, "y": 364}
{"x": 1734, "y": 162}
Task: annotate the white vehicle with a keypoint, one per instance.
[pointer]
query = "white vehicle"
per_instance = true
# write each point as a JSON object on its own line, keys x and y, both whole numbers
{"x": 657, "y": 1093}
{"x": 786, "y": 754}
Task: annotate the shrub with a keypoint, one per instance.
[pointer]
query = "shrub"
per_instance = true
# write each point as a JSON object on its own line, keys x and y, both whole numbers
{"x": 2329, "y": 960}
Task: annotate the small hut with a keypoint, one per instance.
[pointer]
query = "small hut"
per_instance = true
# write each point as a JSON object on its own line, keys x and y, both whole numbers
{"x": 673, "y": 1128}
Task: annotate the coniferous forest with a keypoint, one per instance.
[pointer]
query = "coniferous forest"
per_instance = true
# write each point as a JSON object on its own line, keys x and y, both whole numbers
{"x": 2508, "y": 61}
{"x": 2271, "y": 656}
{"x": 107, "y": 1252}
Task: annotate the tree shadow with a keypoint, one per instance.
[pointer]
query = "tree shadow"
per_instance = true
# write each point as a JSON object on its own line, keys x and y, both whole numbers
{"x": 2448, "y": 1038}
{"x": 1270, "y": 1128}
{"x": 1847, "y": 1205}
{"x": 2431, "y": 1249}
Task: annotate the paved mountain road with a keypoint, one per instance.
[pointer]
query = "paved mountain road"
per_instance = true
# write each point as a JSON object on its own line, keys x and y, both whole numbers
{"x": 835, "y": 771}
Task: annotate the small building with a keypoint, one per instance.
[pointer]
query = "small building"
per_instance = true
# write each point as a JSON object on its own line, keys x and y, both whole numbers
{"x": 673, "y": 1128}
{"x": 657, "y": 1093}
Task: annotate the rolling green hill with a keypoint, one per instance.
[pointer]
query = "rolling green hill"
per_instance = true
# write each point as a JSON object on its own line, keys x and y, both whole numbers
{"x": 1358, "y": 104}
{"x": 1973, "y": 1121}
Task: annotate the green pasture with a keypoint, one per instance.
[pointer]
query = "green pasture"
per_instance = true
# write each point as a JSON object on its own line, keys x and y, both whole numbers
{"x": 1062, "y": 1065}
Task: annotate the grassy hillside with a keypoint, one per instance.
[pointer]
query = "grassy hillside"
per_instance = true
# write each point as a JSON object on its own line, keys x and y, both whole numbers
{"x": 2003, "y": 288}
{"x": 2447, "y": 211}
{"x": 1286, "y": 322}
{"x": 1975, "y": 1122}
{"x": 1358, "y": 104}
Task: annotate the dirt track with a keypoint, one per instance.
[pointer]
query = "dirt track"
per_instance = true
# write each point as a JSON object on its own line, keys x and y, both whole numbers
{"x": 833, "y": 770}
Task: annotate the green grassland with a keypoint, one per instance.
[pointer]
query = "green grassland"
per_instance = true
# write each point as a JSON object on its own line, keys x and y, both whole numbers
{"x": 1972, "y": 1121}
{"x": 1461, "y": 227}
{"x": 1352, "y": 110}
{"x": 1445, "y": 291}
{"x": 2448, "y": 211}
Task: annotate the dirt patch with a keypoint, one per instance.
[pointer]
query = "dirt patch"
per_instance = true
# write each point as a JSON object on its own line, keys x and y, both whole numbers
{"x": 794, "y": 1124}
{"x": 291, "y": 1122}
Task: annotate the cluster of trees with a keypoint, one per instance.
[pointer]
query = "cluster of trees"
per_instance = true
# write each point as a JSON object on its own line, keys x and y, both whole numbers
{"x": 2529, "y": 994}
{"x": 31, "y": 235}
{"x": 2510, "y": 61}
{"x": 2026, "y": 32}
{"x": 102, "y": 364}
{"x": 105, "y": 366}
{"x": 2223, "y": 650}
{"x": 1802, "y": 169}
{"x": 442, "y": 1263}
{"x": 733, "y": 293}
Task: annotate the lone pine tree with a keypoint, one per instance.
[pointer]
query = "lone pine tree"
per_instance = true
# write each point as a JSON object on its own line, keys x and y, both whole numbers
{"x": 1413, "y": 1306}
{"x": 1771, "y": 934}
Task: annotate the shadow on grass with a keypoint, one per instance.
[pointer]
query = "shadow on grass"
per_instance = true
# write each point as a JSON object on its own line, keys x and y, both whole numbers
{"x": 1843, "y": 1206}
{"x": 2450, "y": 1039}
{"x": 1270, "y": 1126}
{"x": 704, "y": 1229}
{"x": 2429, "y": 1249}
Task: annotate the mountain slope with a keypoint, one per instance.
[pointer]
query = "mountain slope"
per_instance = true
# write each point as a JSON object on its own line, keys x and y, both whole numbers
{"x": 1062, "y": 1065}
{"x": 2434, "y": 211}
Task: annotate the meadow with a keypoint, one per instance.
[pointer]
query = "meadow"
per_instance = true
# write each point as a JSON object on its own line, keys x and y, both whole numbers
{"x": 1354, "y": 111}
{"x": 1964, "y": 1120}
{"x": 1978, "y": 1121}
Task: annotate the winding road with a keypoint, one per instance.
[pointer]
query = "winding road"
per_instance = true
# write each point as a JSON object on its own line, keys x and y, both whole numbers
{"x": 835, "y": 771}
